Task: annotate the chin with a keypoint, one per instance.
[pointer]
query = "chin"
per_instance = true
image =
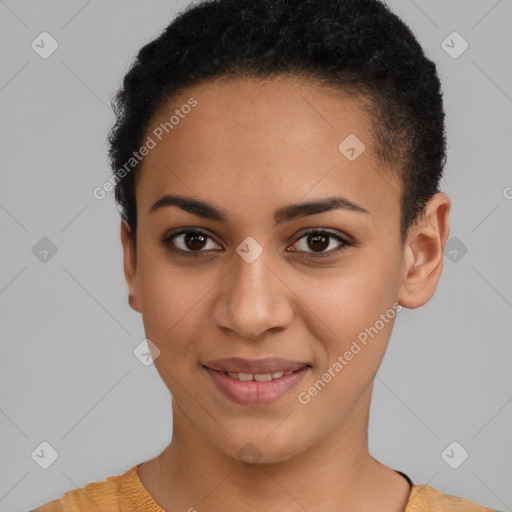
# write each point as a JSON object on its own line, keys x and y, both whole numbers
{"x": 260, "y": 451}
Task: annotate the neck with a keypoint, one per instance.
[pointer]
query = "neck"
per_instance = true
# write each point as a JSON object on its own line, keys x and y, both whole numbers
{"x": 337, "y": 474}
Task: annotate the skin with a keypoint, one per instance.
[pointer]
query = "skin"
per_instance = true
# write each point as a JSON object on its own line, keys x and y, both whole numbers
{"x": 250, "y": 147}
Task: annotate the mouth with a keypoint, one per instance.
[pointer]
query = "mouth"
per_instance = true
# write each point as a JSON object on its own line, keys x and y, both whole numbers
{"x": 258, "y": 377}
{"x": 273, "y": 379}
{"x": 268, "y": 365}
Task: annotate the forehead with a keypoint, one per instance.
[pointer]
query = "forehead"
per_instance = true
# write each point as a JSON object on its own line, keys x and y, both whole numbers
{"x": 266, "y": 141}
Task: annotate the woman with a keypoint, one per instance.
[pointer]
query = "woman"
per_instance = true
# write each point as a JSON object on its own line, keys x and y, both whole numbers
{"x": 277, "y": 168}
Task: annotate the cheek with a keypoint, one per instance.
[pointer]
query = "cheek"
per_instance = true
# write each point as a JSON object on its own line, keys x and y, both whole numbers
{"x": 175, "y": 305}
{"x": 360, "y": 318}
{"x": 165, "y": 298}
{"x": 352, "y": 316}
{"x": 349, "y": 300}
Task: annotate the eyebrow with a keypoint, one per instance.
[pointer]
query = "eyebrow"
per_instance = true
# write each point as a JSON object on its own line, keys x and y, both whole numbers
{"x": 283, "y": 214}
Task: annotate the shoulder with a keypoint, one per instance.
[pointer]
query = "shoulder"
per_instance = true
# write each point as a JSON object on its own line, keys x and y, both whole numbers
{"x": 52, "y": 506}
{"x": 425, "y": 497}
{"x": 103, "y": 494}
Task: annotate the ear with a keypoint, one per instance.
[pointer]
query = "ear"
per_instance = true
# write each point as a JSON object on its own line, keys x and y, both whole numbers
{"x": 130, "y": 266}
{"x": 424, "y": 253}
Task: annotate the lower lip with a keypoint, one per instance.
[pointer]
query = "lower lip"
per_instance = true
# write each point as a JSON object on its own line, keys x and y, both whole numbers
{"x": 256, "y": 393}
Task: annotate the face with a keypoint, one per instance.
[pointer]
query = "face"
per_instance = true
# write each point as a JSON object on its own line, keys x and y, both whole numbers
{"x": 241, "y": 272}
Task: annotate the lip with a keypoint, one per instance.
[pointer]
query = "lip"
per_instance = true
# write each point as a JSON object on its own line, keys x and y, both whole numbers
{"x": 254, "y": 393}
{"x": 266, "y": 365}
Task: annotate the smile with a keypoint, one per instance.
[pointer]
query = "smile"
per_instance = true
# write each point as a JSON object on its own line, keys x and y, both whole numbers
{"x": 259, "y": 377}
{"x": 253, "y": 389}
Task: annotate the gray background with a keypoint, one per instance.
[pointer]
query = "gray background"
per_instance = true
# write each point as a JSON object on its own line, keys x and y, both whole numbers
{"x": 68, "y": 373}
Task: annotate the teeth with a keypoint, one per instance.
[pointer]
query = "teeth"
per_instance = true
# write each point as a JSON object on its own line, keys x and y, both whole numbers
{"x": 262, "y": 377}
{"x": 258, "y": 377}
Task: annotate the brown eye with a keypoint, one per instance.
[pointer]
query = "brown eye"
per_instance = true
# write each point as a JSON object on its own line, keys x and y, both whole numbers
{"x": 317, "y": 241}
{"x": 188, "y": 241}
{"x": 194, "y": 241}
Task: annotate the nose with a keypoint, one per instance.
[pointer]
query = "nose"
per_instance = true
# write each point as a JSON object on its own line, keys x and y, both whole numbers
{"x": 253, "y": 298}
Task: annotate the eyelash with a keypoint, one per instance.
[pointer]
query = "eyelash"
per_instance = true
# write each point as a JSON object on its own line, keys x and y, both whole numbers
{"x": 166, "y": 241}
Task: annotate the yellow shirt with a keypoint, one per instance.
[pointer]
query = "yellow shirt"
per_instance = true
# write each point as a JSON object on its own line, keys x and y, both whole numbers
{"x": 125, "y": 493}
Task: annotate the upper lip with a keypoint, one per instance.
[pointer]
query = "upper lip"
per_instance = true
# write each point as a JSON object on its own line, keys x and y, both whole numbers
{"x": 267, "y": 365}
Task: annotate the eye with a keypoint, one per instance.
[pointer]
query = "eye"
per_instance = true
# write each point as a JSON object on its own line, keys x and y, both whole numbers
{"x": 188, "y": 242}
{"x": 319, "y": 240}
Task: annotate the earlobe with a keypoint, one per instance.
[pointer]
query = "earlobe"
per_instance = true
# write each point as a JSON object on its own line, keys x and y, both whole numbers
{"x": 424, "y": 253}
{"x": 130, "y": 266}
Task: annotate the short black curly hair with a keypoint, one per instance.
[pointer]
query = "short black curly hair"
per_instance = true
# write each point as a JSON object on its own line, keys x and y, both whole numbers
{"x": 353, "y": 46}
